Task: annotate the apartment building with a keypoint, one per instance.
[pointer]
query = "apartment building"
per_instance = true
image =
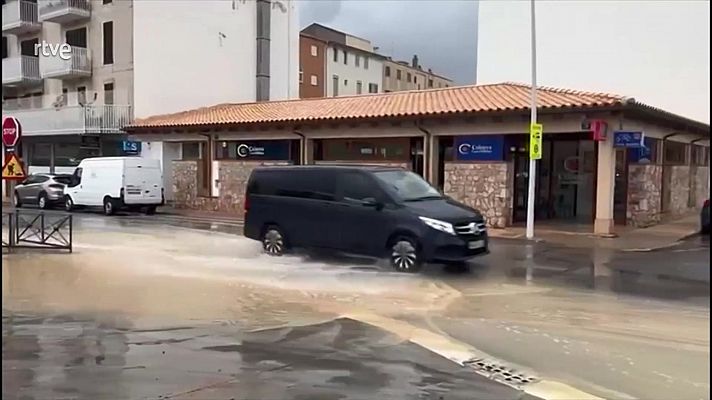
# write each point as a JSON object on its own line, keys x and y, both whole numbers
{"x": 132, "y": 59}
{"x": 334, "y": 63}
{"x": 401, "y": 75}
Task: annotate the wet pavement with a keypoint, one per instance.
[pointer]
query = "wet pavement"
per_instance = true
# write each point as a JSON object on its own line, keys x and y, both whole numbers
{"x": 172, "y": 307}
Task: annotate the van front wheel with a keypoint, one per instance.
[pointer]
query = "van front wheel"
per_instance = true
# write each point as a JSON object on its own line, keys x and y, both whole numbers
{"x": 273, "y": 241}
{"x": 109, "y": 206}
{"x": 405, "y": 256}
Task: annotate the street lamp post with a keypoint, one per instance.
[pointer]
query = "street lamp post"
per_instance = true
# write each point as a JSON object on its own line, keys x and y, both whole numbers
{"x": 532, "y": 161}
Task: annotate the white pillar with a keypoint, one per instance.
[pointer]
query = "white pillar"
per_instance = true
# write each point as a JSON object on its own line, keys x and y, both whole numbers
{"x": 605, "y": 186}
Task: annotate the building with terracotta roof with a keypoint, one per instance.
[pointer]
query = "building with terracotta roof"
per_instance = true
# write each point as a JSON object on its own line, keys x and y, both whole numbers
{"x": 607, "y": 159}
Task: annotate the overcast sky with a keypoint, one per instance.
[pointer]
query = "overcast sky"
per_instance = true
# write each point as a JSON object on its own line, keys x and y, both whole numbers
{"x": 655, "y": 51}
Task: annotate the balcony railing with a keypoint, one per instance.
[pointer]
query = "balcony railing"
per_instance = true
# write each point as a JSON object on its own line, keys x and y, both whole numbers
{"x": 76, "y": 64}
{"x": 19, "y": 17}
{"x": 21, "y": 71}
{"x": 74, "y": 120}
{"x": 64, "y": 11}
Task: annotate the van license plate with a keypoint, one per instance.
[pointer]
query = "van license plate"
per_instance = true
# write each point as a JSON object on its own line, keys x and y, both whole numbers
{"x": 477, "y": 244}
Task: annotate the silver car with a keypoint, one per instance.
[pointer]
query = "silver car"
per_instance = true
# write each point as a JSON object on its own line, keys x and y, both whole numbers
{"x": 42, "y": 190}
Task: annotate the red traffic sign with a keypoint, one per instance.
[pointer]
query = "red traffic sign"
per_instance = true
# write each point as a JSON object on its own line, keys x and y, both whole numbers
{"x": 11, "y": 131}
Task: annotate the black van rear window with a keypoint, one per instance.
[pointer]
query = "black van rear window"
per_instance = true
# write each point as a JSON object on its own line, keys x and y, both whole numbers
{"x": 309, "y": 184}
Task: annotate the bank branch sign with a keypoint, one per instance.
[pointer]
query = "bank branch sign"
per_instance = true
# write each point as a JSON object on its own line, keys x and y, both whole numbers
{"x": 480, "y": 148}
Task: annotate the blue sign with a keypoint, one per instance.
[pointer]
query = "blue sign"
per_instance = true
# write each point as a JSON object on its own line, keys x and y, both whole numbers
{"x": 131, "y": 147}
{"x": 628, "y": 139}
{"x": 257, "y": 149}
{"x": 480, "y": 148}
{"x": 642, "y": 154}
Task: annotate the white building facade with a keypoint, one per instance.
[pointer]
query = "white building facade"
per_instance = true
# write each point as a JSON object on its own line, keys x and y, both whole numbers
{"x": 131, "y": 59}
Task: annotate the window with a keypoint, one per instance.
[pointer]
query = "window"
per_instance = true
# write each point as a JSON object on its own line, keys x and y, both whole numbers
{"x": 336, "y": 86}
{"x": 408, "y": 77}
{"x": 372, "y": 88}
{"x": 365, "y": 62}
{"x": 675, "y": 152}
{"x": 4, "y": 47}
{"x": 386, "y": 149}
{"x": 346, "y": 82}
{"x": 192, "y": 151}
{"x": 415, "y": 79}
{"x": 700, "y": 155}
{"x": 314, "y": 80}
{"x": 64, "y": 99}
{"x": 358, "y": 87}
{"x": 357, "y": 60}
{"x": 336, "y": 55}
{"x": 388, "y": 71}
{"x": 309, "y": 184}
{"x": 40, "y": 154}
{"x": 109, "y": 93}
{"x": 27, "y": 47}
{"x": 107, "y": 1}
{"x": 398, "y": 74}
{"x": 108, "y": 29}
{"x": 76, "y": 37}
{"x": 408, "y": 185}
{"x": 430, "y": 83}
{"x": 346, "y": 58}
{"x": 301, "y": 76}
{"x": 314, "y": 51}
{"x": 82, "y": 95}
{"x": 70, "y": 154}
{"x": 355, "y": 187}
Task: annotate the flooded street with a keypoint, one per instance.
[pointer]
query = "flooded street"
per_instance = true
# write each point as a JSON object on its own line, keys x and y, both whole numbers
{"x": 168, "y": 308}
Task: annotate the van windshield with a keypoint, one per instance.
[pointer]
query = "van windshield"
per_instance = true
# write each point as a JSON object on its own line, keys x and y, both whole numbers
{"x": 408, "y": 186}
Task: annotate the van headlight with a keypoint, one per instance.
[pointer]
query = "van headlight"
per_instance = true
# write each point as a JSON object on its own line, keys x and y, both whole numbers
{"x": 436, "y": 224}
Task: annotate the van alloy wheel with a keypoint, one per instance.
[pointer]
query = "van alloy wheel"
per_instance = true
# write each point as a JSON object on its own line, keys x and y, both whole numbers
{"x": 273, "y": 242}
{"x": 404, "y": 256}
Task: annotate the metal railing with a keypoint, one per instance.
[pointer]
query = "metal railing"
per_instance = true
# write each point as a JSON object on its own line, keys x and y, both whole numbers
{"x": 62, "y": 6}
{"x": 71, "y": 120}
{"x": 37, "y": 230}
{"x": 78, "y": 63}
{"x": 21, "y": 69}
{"x": 19, "y": 12}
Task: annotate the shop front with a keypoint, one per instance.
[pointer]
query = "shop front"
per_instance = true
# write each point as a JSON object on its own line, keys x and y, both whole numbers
{"x": 405, "y": 152}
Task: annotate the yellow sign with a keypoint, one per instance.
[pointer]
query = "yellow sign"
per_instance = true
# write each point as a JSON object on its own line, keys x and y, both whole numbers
{"x": 535, "y": 134}
{"x": 13, "y": 168}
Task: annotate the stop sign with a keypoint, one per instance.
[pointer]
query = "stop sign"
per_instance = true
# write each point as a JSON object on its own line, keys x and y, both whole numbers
{"x": 11, "y": 131}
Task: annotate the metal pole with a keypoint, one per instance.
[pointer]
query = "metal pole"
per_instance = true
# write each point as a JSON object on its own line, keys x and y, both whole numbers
{"x": 532, "y": 163}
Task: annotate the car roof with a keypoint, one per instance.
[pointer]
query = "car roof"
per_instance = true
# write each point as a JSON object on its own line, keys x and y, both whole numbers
{"x": 357, "y": 167}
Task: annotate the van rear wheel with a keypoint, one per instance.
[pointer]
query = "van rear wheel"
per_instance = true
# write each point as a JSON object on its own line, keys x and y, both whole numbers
{"x": 68, "y": 204}
{"x": 109, "y": 206}
{"x": 273, "y": 241}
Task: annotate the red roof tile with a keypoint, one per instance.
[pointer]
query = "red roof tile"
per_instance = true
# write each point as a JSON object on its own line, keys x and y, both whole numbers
{"x": 463, "y": 99}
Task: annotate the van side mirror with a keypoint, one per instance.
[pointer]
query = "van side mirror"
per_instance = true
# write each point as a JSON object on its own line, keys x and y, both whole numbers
{"x": 372, "y": 202}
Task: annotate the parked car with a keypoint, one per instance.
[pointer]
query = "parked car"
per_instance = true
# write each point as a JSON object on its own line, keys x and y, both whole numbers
{"x": 114, "y": 183}
{"x": 43, "y": 190}
{"x": 705, "y": 217}
{"x": 372, "y": 211}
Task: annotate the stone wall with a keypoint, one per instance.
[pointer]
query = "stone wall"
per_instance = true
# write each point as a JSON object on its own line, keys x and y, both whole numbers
{"x": 702, "y": 190}
{"x": 232, "y": 180}
{"x": 644, "y": 194}
{"x": 483, "y": 186}
{"x": 679, "y": 186}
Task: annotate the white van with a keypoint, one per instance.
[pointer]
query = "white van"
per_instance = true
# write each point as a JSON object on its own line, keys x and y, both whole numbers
{"x": 114, "y": 183}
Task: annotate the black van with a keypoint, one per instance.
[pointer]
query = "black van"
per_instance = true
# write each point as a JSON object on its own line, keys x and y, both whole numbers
{"x": 374, "y": 211}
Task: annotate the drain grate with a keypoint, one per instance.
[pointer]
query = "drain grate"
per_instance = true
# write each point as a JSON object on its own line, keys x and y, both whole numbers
{"x": 500, "y": 372}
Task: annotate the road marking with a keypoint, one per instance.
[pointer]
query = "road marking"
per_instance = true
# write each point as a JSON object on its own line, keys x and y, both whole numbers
{"x": 462, "y": 353}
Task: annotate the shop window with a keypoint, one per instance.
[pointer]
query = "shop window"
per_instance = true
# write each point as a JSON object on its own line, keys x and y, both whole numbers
{"x": 366, "y": 150}
{"x": 192, "y": 151}
{"x": 645, "y": 155}
{"x": 700, "y": 155}
{"x": 41, "y": 154}
{"x": 71, "y": 154}
{"x": 675, "y": 153}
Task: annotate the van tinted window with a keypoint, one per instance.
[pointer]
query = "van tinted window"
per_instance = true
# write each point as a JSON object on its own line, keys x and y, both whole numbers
{"x": 308, "y": 184}
{"x": 355, "y": 186}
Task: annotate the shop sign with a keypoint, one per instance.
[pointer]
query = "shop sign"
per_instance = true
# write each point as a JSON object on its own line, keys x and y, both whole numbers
{"x": 642, "y": 154}
{"x": 628, "y": 139}
{"x": 480, "y": 148}
{"x": 267, "y": 150}
{"x": 536, "y": 132}
{"x": 131, "y": 147}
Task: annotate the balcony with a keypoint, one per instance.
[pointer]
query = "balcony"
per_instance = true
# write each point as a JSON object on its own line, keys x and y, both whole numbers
{"x": 76, "y": 65}
{"x": 64, "y": 11}
{"x": 19, "y": 17}
{"x": 22, "y": 71}
{"x": 73, "y": 120}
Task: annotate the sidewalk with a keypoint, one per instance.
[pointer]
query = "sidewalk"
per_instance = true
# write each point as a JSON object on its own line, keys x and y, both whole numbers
{"x": 626, "y": 238}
